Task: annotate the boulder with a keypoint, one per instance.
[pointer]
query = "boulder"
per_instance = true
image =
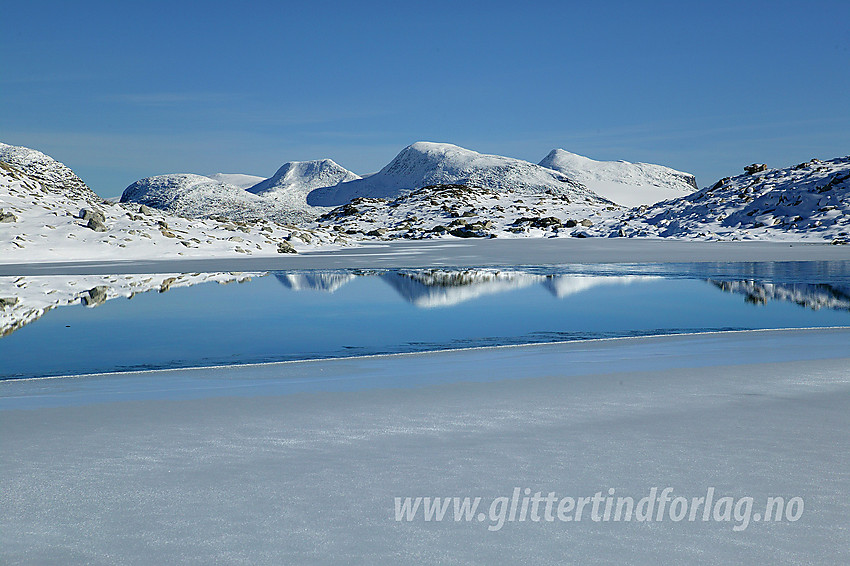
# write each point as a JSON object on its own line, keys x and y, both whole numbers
{"x": 7, "y": 217}
{"x": 286, "y": 248}
{"x": 95, "y": 296}
{"x": 89, "y": 213}
{"x": 96, "y": 224}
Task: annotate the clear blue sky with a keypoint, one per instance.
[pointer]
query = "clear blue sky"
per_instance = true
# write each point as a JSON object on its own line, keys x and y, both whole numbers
{"x": 124, "y": 90}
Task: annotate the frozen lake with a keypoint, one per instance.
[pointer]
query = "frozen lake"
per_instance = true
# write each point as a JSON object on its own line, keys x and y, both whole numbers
{"x": 228, "y": 435}
{"x": 314, "y": 314}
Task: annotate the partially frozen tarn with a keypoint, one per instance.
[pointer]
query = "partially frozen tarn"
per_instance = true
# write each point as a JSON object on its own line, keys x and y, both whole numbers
{"x": 629, "y": 184}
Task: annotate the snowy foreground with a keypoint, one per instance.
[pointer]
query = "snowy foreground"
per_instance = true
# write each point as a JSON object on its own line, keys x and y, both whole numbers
{"x": 301, "y": 462}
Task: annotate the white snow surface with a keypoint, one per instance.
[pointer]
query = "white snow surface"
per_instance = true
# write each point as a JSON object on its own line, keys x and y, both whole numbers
{"x": 51, "y": 175}
{"x": 291, "y": 184}
{"x": 460, "y": 210}
{"x": 628, "y": 184}
{"x": 242, "y": 465}
{"x": 240, "y": 180}
{"x": 807, "y": 202}
{"x": 810, "y": 201}
{"x": 426, "y": 163}
{"x": 40, "y": 220}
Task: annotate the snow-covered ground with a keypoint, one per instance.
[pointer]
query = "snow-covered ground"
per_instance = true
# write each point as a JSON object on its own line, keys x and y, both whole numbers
{"x": 809, "y": 201}
{"x": 301, "y": 462}
{"x": 629, "y": 184}
{"x": 47, "y": 213}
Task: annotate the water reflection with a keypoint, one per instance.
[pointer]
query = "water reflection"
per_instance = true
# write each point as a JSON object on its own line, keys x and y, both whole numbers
{"x": 812, "y": 296}
{"x": 26, "y": 299}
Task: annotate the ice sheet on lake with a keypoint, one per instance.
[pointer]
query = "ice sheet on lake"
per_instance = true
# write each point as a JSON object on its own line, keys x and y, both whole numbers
{"x": 245, "y": 472}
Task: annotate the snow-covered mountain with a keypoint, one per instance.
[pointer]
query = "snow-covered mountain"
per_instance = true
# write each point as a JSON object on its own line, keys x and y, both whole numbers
{"x": 810, "y": 201}
{"x": 291, "y": 184}
{"x": 425, "y": 163}
{"x": 50, "y": 174}
{"x": 629, "y": 184}
{"x": 196, "y": 196}
{"x": 49, "y": 214}
{"x": 237, "y": 179}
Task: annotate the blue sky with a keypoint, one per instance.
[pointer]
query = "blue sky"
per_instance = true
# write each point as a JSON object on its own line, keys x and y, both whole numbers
{"x": 120, "y": 91}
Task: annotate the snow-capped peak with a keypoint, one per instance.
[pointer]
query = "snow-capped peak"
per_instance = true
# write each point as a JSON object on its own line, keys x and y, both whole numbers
{"x": 629, "y": 184}
{"x": 426, "y": 163}
{"x": 291, "y": 184}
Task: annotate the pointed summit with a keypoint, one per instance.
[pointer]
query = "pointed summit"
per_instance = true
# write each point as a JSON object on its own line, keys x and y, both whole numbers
{"x": 291, "y": 183}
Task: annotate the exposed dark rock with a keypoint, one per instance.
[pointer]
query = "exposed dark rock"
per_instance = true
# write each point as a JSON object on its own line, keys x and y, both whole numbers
{"x": 95, "y": 296}
{"x": 89, "y": 213}
{"x": 755, "y": 168}
{"x": 166, "y": 285}
{"x": 96, "y": 224}
{"x": 7, "y": 217}
{"x": 286, "y": 248}
{"x": 8, "y": 302}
